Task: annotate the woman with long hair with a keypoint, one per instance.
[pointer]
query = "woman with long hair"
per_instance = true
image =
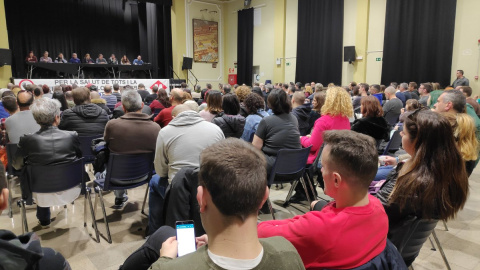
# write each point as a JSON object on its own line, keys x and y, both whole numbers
{"x": 335, "y": 113}
{"x": 214, "y": 105}
{"x": 317, "y": 104}
{"x": 161, "y": 102}
{"x": 277, "y": 131}
{"x": 230, "y": 121}
{"x": 124, "y": 60}
{"x": 464, "y": 133}
{"x": 433, "y": 183}
{"x": 372, "y": 122}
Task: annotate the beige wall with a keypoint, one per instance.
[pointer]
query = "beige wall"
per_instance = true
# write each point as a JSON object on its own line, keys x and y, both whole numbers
{"x": 349, "y": 37}
{"x": 376, "y": 33}
{"x": 5, "y": 71}
{"x": 466, "y": 47}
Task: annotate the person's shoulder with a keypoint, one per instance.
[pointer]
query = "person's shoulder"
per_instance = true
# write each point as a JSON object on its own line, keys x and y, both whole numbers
{"x": 195, "y": 260}
{"x": 279, "y": 253}
{"x": 276, "y": 244}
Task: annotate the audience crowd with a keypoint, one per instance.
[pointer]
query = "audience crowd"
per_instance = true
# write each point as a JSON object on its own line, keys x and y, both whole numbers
{"x": 225, "y": 142}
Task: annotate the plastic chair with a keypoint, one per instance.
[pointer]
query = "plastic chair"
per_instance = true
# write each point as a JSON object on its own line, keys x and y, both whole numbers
{"x": 289, "y": 166}
{"x": 86, "y": 147}
{"x": 11, "y": 174}
{"x": 411, "y": 235}
{"x": 394, "y": 143}
{"x": 314, "y": 169}
{"x": 124, "y": 171}
{"x": 56, "y": 178}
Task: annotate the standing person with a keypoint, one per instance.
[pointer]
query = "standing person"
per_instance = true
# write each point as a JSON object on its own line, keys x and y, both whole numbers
{"x": 31, "y": 58}
{"x": 277, "y": 131}
{"x": 461, "y": 80}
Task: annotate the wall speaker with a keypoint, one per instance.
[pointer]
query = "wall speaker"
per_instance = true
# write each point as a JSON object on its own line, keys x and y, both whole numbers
{"x": 5, "y": 57}
{"x": 349, "y": 54}
{"x": 187, "y": 63}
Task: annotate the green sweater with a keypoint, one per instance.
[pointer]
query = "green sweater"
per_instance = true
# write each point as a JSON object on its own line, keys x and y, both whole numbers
{"x": 278, "y": 253}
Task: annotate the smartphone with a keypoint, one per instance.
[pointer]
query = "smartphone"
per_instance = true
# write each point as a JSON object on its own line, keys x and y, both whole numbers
{"x": 185, "y": 237}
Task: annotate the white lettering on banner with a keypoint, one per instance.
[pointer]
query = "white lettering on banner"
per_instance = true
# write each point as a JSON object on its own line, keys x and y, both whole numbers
{"x": 99, "y": 83}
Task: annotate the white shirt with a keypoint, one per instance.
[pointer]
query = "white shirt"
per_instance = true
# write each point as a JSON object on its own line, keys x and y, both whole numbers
{"x": 235, "y": 264}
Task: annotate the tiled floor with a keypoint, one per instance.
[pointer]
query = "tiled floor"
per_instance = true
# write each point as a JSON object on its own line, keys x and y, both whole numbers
{"x": 67, "y": 234}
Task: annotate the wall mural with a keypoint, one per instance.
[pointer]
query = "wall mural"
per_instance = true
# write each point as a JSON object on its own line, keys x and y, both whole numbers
{"x": 205, "y": 41}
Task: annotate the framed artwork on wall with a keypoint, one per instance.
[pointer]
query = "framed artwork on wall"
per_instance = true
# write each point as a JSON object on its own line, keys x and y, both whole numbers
{"x": 205, "y": 41}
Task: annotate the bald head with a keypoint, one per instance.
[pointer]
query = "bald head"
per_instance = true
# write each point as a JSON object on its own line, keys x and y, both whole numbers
{"x": 94, "y": 95}
{"x": 10, "y": 86}
{"x": 24, "y": 100}
{"x": 298, "y": 98}
{"x": 177, "y": 96}
{"x": 179, "y": 109}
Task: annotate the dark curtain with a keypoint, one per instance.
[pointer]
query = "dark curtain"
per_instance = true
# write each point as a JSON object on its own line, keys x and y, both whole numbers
{"x": 245, "y": 47}
{"x": 418, "y": 41}
{"x": 320, "y": 41}
{"x": 84, "y": 26}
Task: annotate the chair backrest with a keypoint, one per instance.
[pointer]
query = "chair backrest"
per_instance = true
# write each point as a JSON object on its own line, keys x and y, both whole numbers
{"x": 11, "y": 152}
{"x": 392, "y": 118}
{"x": 289, "y": 165}
{"x": 56, "y": 178}
{"x": 86, "y": 147}
{"x": 394, "y": 143}
{"x": 389, "y": 259}
{"x": 410, "y": 236}
{"x": 128, "y": 170}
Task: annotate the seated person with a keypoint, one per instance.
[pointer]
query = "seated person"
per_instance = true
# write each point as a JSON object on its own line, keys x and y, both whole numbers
{"x": 49, "y": 146}
{"x": 230, "y": 121}
{"x": 301, "y": 111}
{"x": 255, "y": 105}
{"x": 351, "y": 230}
{"x": 372, "y": 122}
{"x": 24, "y": 251}
{"x": 85, "y": 118}
{"x": 229, "y": 212}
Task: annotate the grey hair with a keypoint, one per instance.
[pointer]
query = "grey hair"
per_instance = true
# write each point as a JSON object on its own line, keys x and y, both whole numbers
{"x": 45, "y": 110}
{"x": 269, "y": 87}
{"x": 404, "y": 85}
{"x": 318, "y": 86}
{"x": 390, "y": 90}
{"x": 457, "y": 98}
{"x": 132, "y": 101}
{"x": 198, "y": 88}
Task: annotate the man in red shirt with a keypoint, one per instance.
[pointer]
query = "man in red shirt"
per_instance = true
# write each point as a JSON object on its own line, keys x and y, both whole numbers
{"x": 165, "y": 115}
{"x": 352, "y": 229}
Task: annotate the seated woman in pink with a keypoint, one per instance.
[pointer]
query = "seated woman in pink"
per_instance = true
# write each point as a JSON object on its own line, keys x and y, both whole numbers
{"x": 335, "y": 113}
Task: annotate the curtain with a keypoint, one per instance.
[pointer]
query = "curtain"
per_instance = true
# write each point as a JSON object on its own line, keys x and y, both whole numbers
{"x": 320, "y": 41}
{"x": 245, "y": 47}
{"x": 418, "y": 41}
{"x": 86, "y": 26}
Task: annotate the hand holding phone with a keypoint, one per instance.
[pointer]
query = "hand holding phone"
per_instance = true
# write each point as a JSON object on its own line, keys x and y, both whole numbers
{"x": 169, "y": 248}
{"x": 185, "y": 237}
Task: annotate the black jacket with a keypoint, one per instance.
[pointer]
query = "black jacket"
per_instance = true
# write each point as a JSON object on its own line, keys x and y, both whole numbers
{"x": 86, "y": 120}
{"x": 376, "y": 127}
{"x": 231, "y": 125}
{"x": 302, "y": 113}
{"x": 19, "y": 252}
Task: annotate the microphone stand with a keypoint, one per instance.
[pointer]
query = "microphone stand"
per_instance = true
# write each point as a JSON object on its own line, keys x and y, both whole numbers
{"x": 174, "y": 72}
{"x": 196, "y": 80}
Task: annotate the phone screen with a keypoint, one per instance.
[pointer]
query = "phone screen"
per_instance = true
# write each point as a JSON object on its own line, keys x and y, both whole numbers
{"x": 185, "y": 237}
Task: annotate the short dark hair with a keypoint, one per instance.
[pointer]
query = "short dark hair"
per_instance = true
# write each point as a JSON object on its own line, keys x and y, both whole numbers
{"x": 81, "y": 95}
{"x": 413, "y": 84}
{"x": 428, "y": 87}
{"x": 227, "y": 88}
{"x": 116, "y": 86}
{"x": 253, "y": 103}
{"x": 209, "y": 86}
{"x": 459, "y": 70}
{"x": 155, "y": 89}
{"x": 467, "y": 90}
{"x": 364, "y": 86}
{"x": 279, "y": 102}
{"x": 107, "y": 89}
{"x": 352, "y": 154}
{"x": 230, "y": 104}
{"x": 37, "y": 91}
{"x": 10, "y": 103}
{"x": 237, "y": 191}
{"x": 376, "y": 86}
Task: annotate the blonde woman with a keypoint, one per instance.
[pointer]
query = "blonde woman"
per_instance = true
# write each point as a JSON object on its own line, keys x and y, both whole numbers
{"x": 335, "y": 113}
{"x": 464, "y": 132}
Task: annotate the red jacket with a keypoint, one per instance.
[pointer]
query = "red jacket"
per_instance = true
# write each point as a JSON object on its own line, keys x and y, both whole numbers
{"x": 334, "y": 238}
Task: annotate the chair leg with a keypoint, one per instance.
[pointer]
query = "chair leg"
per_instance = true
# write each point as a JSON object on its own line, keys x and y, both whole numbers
{"x": 311, "y": 186}
{"x": 94, "y": 220}
{"x": 269, "y": 203}
{"x": 431, "y": 242}
{"x": 21, "y": 204}
{"x": 306, "y": 191}
{"x": 105, "y": 216}
{"x": 145, "y": 199}
{"x": 10, "y": 196}
{"x": 441, "y": 250}
{"x": 292, "y": 188}
{"x": 445, "y": 224}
